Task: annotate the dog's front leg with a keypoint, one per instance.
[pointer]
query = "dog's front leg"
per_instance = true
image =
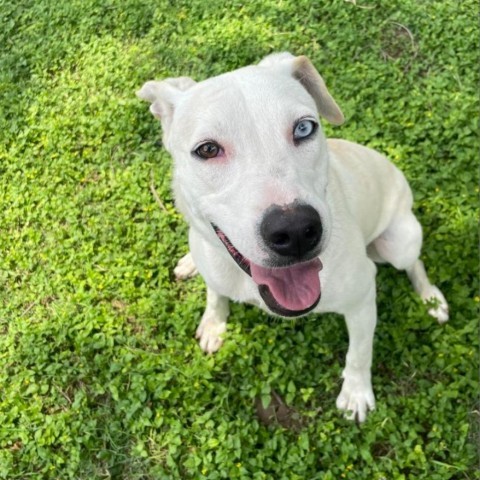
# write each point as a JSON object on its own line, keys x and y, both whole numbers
{"x": 214, "y": 322}
{"x": 356, "y": 396}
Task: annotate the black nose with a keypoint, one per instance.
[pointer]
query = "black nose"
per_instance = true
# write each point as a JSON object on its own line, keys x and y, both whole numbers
{"x": 293, "y": 230}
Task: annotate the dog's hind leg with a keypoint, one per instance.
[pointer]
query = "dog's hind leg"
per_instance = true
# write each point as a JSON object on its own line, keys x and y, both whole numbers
{"x": 428, "y": 292}
{"x": 185, "y": 268}
{"x": 400, "y": 245}
{"x": 214, "y": 322}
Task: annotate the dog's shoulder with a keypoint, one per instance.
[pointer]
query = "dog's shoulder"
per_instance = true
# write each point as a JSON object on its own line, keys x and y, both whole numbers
{"x": 351, "y": 159}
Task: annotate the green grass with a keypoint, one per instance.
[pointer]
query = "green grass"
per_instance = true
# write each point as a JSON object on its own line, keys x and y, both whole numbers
{"x": 100, "y": 376}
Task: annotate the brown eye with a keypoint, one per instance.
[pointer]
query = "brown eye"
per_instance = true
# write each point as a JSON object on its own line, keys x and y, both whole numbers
{"x": 208, "y": 150}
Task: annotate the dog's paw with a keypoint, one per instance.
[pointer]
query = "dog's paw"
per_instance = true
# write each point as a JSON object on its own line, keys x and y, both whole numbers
{"x": 185, "y": 268}
{"x": 356, "y": 399}
{"x": 209, "y": 333}
{"x": 439, "y": 309}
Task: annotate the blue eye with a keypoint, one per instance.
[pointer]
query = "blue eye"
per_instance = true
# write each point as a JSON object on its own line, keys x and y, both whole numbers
{"x": 303, "y": 129}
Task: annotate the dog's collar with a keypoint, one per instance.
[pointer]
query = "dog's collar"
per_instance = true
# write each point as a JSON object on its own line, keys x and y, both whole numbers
{"x": 240, "y": 260}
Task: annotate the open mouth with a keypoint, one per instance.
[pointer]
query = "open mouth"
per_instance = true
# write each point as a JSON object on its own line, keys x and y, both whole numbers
{"x": 288, "y": 291}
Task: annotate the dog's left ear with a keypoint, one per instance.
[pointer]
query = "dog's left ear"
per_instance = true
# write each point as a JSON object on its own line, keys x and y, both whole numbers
{"x": 163, "y": 96}
{"x": 302, "y": 69}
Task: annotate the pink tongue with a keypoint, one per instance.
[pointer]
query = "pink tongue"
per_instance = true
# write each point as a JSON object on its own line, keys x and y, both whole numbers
{"x": 294, "y": 288}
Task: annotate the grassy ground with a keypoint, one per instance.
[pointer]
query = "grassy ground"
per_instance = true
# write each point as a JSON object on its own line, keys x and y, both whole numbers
{"x": 100, "y": 376}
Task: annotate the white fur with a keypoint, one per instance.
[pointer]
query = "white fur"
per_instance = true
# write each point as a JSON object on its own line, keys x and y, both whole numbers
{"x": 363, "y": 200}
{"x": 185, "y": 268}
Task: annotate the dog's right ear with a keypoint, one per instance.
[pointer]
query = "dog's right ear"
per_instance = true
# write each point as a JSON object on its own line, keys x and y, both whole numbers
{"x": 163, "y": 96}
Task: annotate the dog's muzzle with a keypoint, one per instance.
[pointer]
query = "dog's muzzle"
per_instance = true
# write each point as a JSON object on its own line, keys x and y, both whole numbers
{"x": 293, "y": 290}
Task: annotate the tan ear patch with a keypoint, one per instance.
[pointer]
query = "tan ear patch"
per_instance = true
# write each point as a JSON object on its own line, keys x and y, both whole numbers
{"x": 307, "y": 75}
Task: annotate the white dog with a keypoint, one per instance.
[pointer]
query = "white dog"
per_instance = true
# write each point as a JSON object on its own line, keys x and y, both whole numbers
{"x": 280, "y": 217}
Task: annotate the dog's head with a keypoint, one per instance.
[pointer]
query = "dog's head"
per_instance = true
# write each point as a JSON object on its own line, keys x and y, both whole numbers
{"x": 251, "y": 167}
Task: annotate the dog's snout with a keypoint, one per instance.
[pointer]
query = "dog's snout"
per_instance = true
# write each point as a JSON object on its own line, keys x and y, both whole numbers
{"x": 293, "y": 231}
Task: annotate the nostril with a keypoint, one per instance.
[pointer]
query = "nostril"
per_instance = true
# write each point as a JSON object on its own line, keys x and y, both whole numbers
{"x": 281, "y": 239}
{"x": 310, "y": 233}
